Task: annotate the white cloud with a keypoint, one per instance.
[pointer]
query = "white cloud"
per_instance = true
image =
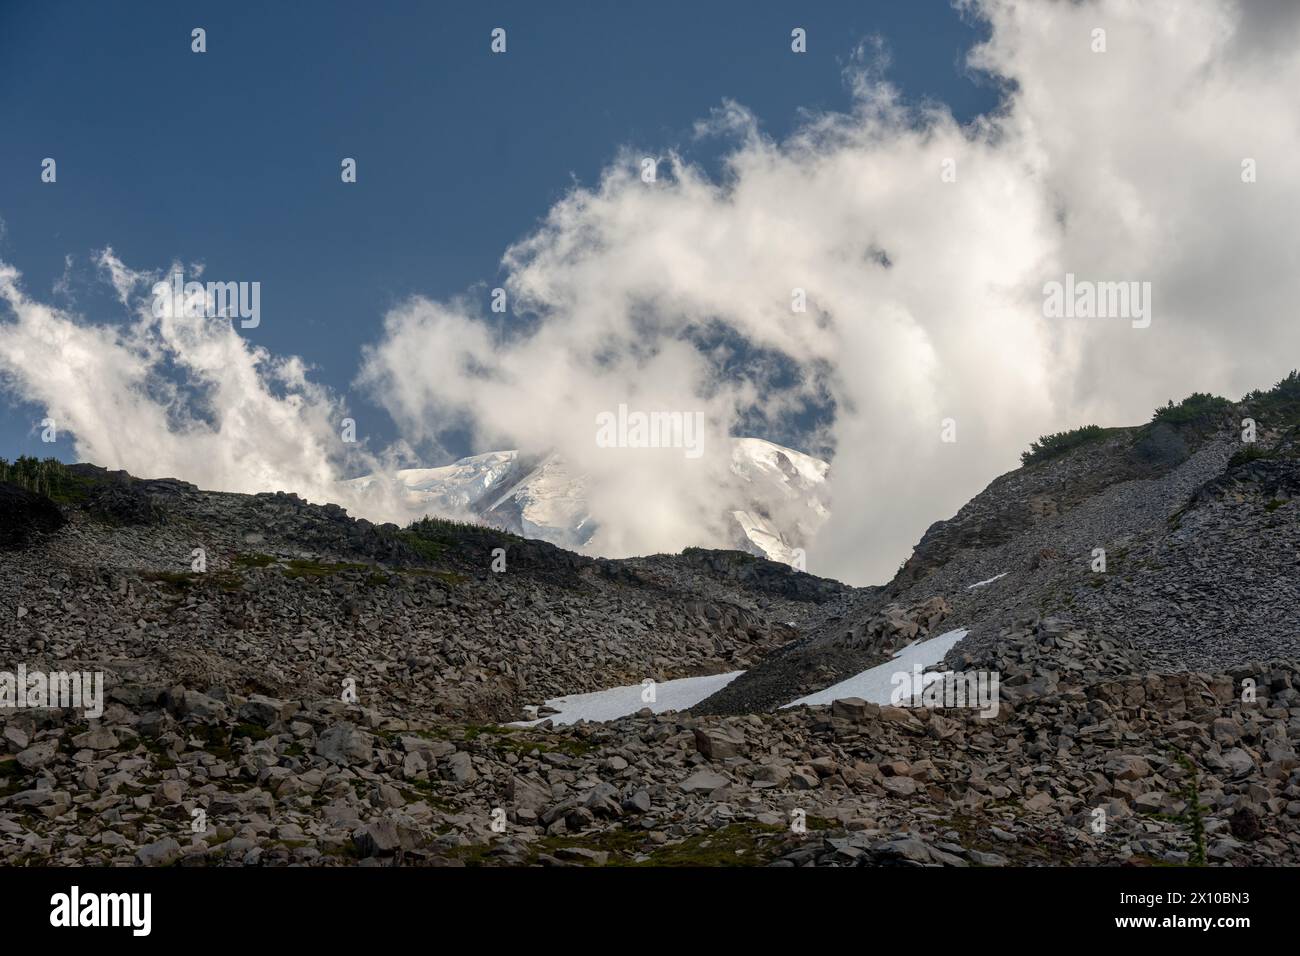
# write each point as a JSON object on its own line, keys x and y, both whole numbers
{"x": 169, "y": 396}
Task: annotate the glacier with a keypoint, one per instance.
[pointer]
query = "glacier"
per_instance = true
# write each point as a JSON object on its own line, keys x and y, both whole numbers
{"x": 779, "y": 495}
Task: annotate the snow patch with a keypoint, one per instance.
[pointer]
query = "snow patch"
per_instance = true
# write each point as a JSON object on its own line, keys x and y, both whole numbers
{"x": 980, "y": 584}
{"x": 617, "y": 702}
{"x": 876, "y": 684}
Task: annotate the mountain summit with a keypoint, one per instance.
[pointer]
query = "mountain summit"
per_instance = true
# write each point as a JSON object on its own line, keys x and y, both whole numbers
{"x": 775, "y": 504}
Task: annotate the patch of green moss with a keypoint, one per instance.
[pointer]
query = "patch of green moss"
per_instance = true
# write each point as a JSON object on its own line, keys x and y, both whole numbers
{"x": 254, "y": 560}
{"x": 1048, "y": 848}
{"x": 424, "y": 791}
{"x": 14, "y": 777}
{"x": 162, "y": 758}
{"x": 301, "y": 568}
{"x": 215, "y": 740}
{"x": 72, "y": 490}
{"x": 520, "y": 741}
{"x": 738, "y": 844}
{"x": 619, "y": 842}
{"x": 427, "y": 548}
{"x": 449, "y": 578}
{"x": 728, "y": 556}
{"x": 180, "y": 582}
{"x": 433, "y": 540}
{"x": 228, "y": 581}
{"x": 1175, "y": 520}
{"x": 251, "y": 731}
{"x": 292, "y": 844}
{"x": 1146, "y": 859}
{"x": 474, "y": 731}
{"x": 346, "y": 852}
{"x": 473, "y": 854}
{"x": 1252, "y": 452}
{"x": 444, "y": 732}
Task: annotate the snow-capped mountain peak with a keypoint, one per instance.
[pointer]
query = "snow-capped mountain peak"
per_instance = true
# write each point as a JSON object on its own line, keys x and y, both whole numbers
{"x": 778, "y": 497}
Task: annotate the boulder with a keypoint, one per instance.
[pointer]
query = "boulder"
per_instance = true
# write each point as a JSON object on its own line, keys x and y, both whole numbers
{"x": 703, "y": 781}
{"x": 161, "y": 853}
{"x": 345, "y": 744}
{"x": 719, "y": 743}
{"x": 261, "y": 711}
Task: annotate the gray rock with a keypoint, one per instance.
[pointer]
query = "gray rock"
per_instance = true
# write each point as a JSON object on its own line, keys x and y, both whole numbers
{"x": 1239, "y": 761}
{"x": 904, "y": 848}
{"x": 97, "y": 738}
{"x": 804, "y": 778}
{"x": 1128, "y": 767}
{"x": 38, "y": 755}
{"x": 703, "y": 781}
{"x": 460, "y": 766}
{"x": 383, "y": 837}
{"x": 719, "y": 743}
{"x": 261, "y": 711}
{"x": 528, "y": 793}
{"x": 771, "y": 775}
{"x": 193, "y": 704}
{"x": 854, "y": 709}
{"x": 900, "y": 786}
{"x": 414, "y": 767}
{"x": 345, "y": 744}
{"x": 638, "y": 802}
{"x": 583, "y": 855}
{"x": 161, "y": 853}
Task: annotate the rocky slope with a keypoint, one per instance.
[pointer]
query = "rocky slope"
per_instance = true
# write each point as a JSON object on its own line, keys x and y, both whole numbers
{"x": 1199, "y": 532}
{"x": 299, "y": 596}
{"x": 1086, "y": 775}
{"x": 288, "y": 685}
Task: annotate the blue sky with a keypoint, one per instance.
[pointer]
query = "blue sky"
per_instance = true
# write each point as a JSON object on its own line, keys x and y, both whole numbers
{"x": 231, "y": 158}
